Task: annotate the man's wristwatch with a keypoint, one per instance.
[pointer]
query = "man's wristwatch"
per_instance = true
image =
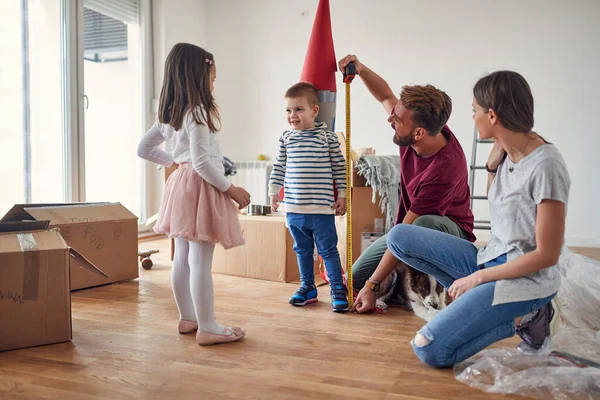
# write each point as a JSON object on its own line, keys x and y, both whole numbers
{"x": 372, "y": 284}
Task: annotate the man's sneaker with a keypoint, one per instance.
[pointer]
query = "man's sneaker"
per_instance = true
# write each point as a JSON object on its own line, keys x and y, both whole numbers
{"x": 535, "y": 330}
{"x": 304, "y": 295}
{"x": 339, "y": 298}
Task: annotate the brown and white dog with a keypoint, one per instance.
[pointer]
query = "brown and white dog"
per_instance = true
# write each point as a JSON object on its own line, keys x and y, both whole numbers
{"x": 415, "y": 290}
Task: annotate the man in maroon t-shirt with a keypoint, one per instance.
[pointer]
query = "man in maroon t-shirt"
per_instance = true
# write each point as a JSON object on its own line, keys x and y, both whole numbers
{"x": 434, "y": 190}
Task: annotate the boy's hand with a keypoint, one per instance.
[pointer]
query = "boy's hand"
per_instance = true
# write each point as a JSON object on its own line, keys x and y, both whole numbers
{"x": 275, "y": 201}
{"x": 340, "y": 206}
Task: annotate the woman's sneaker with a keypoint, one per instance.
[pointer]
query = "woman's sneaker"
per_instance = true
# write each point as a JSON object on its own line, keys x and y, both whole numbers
{"x": 304, "y": 295}
{"x": 339, "y": 298}
{"x": 535, "y": 330}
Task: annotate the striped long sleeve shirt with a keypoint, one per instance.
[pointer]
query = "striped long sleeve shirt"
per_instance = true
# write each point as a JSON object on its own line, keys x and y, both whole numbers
{"x": 308, "y": 163}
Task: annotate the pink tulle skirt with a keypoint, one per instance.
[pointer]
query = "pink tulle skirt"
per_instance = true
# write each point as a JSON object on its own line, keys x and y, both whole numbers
{"x": 195, "y": 210}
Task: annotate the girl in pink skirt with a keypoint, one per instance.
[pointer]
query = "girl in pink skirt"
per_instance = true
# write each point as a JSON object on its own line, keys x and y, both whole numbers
{"x": 197, "y": 208}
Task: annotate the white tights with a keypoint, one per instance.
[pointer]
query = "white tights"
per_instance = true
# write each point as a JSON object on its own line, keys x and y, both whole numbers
{"x": 192, "y": 283}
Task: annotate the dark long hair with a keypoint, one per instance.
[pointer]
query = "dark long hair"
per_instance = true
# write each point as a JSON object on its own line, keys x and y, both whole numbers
{"x": 186, "y": 86}
{"x": 509, "y": 95}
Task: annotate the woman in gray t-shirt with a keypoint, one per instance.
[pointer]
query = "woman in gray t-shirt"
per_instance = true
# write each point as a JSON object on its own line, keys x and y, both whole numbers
{"x": 508, "y": 285}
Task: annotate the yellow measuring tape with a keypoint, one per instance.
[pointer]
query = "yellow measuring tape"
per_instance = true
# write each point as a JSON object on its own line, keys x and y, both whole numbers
{"x": 349, "y": 201}
{"x": 348, "y": 76}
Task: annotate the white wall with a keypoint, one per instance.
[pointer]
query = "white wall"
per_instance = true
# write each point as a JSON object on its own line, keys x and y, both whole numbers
{"x": 259, "y": 46}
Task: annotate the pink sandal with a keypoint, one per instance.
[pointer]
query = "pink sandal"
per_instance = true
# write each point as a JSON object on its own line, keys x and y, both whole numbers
{"x": 186, "y": 326}
{"x": 206, "y": 338}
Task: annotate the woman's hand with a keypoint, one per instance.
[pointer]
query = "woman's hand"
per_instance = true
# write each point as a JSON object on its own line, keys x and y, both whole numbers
{"x": 496, "y": 156}
{"x": 239, "y": 195}
{"x": 463, "y": 285}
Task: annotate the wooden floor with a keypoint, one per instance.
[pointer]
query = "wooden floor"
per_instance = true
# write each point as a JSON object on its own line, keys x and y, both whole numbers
{"x": 125, "y": 345}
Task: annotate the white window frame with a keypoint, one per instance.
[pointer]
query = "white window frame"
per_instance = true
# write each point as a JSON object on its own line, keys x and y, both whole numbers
{"x": 74, "y": 98}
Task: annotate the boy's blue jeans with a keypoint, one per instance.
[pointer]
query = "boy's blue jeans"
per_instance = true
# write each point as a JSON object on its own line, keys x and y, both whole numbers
{"x": 471, "y": 322}
{"x": 308, "y": 229}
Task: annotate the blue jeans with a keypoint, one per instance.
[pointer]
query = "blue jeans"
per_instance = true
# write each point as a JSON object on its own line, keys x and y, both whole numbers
{"x": 470, "y": 323}
{"x": 306, "y": 229}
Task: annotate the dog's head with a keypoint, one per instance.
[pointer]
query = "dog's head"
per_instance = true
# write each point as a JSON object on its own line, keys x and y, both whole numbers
{"x": 430, "y": 292}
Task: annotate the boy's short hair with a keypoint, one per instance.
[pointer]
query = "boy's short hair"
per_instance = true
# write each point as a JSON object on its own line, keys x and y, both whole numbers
{"x": 304, "y": 89}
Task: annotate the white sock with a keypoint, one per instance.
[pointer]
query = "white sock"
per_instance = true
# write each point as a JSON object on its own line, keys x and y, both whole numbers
{"x": 201, "y": 286}
{"x": 180, "y": 281}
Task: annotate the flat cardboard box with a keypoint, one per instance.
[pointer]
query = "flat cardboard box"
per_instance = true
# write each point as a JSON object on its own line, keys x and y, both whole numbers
{"x": 103, "y": 233}
{"x": 268, "y": 253}
{"x": 35, "y": 298}
{"x": 365, "y": 216}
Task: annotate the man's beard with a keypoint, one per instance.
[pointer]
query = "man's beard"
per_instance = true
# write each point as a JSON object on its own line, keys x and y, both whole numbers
{"x": 406, "y": 141}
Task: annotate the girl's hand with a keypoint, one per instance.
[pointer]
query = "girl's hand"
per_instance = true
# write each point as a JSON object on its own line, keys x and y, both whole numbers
{"x": 496, "y": 155}
{"x": 239, "y": 195}
{"x": 463, "y": 285}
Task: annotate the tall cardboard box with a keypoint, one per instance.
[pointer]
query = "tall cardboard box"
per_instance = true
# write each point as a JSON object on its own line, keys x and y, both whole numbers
{"x": 268, "y": 253}
{"x": 103, "y": 233}
{"x": 35, "y": 299}
{"x": 365, "y": 217}
{"x": 356, "y": 179}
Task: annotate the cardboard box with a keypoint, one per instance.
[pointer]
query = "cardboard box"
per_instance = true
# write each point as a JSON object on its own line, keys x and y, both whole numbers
{"x": 268, "y": 253}
{"x": 35, "y": 298}
{"x": 168, "y": 172}
{"x": 357, "y": 180}
{"x": 365, "y": 217}
{"x": 103, "y": 233}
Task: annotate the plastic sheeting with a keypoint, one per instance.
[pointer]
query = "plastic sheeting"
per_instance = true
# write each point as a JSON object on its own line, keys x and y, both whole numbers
{"x": 568, "y": 366}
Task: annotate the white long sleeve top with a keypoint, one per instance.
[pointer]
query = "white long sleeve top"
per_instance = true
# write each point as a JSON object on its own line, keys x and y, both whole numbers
{"x": 192, "y": 143}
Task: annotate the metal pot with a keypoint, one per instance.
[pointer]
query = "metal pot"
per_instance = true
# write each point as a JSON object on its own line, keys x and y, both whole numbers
{"x": 257, "y": 209}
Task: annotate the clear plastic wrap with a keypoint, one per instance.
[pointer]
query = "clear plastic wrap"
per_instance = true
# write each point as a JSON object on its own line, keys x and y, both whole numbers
{"x": 568, "y": 366}
{"x": 579, "y": 294}
{"x": 552, "y": 374}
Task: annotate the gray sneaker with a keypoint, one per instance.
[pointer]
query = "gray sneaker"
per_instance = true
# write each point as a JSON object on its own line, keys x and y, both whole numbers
{"x": 535, "y": 330}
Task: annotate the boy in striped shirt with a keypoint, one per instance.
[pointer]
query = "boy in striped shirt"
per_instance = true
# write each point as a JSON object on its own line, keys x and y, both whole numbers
{"x": 308, "y": 163}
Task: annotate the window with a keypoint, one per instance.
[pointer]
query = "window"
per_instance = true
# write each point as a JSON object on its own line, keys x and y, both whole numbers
{"x": 72, "y": 117}
{"x": 31, "y": 102}
{"x": 113, "y": 106}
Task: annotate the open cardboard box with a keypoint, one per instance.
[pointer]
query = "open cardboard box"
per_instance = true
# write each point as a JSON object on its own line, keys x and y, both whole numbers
{"x": 103, "y": 233}
{"x": 35, "y": 295}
